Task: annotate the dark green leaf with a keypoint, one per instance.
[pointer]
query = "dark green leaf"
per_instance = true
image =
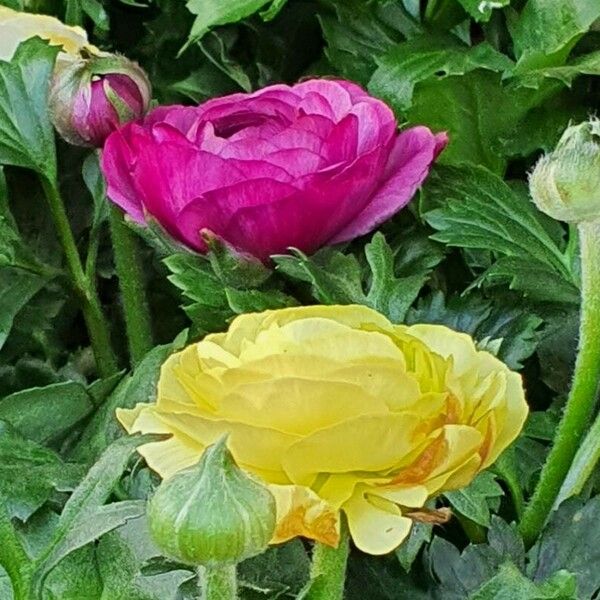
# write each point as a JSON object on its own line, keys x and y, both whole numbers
{"x": 546, "y": 30}
{"x": 243, "y": 301}
{"x": 46, "y": 414}
{"x": 13, "y": 558}
{"x": 214, "y": 12}
{"x": 16, "y": 289}
{"x": 29, "y": 473}
{"x": 26, "y": 134}
{"x": 420, "y": 534}
{"x": 509, "y": 333}
{"x": 361, "y": 31}
{"x": 473, "y": 501}
{"x": 140, "y": 386}
{"x": 280, "y": 571}
{"x": 478, "y": 210}
{"x": 120, "y": 555}
{"x": 425, "y": 58}
{"x": 388, "y": 293}
{"x": 393, "y": 279}
{"x": 569, "y": 542}
{"x": 511, "y": 584}
{"x": 90, "y": 525}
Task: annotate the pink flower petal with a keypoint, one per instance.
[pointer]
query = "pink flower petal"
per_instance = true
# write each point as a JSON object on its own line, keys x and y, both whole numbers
{"x": 413, "y": 153}
{"x": 215, "y": 209}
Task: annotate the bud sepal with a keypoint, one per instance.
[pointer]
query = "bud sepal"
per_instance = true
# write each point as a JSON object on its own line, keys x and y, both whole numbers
{"x": 565, "y": 184}
{"x": 213, "y": 513}
{"x": 96, "y": 94}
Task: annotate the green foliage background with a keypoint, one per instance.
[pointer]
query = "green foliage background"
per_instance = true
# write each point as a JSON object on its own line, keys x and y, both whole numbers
{"x": 503, "y": 78}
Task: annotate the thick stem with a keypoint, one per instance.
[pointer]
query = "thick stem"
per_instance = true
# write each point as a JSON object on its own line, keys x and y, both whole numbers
{"x": 218, "y": 583}
{"x": 97, "y": 327}
{"x": 328, "y": 569}
{"x": 131, "y": 281}
{"x": 584, "y": 390}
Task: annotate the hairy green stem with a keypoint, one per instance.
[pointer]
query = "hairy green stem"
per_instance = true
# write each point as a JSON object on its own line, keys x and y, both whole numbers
{"x": 131, "y": 282}
{"x": 92, "y": 312}
{"x": 328, "y": 569}
{"x": 218, "y": 583}
{"x": 584, "y": 390}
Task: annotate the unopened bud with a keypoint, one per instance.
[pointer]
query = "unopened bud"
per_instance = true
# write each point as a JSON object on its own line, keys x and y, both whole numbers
{"x": 565, "y": 184}
{"x": 212, "y": 513}
{"x": 93, "y": 96}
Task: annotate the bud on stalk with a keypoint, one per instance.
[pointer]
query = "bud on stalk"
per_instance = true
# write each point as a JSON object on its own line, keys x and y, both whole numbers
{"x": 213, "y": 515}
{"x": 565, "y": 184}
{"x": 96, "y": 94}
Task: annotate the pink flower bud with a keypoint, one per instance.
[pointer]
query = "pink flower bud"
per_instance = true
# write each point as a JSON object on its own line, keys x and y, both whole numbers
{"x": 92, "y": 97}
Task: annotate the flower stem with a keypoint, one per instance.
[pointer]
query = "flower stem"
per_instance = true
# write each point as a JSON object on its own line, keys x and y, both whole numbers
{"x": 584, "y": 390}
{"x": 328, "y": 569}
{"x": 131, "y": 281}
{"x": 218, "y": 583}
{"x": 92, "y": 312}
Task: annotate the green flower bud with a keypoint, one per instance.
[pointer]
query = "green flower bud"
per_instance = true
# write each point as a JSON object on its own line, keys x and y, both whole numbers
{"x": 565, "y": 184}
{"x": 212, "y": 513}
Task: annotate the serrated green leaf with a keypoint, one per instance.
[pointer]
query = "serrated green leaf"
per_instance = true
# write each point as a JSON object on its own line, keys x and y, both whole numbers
{"x": 569, "y": 541}
{"x": 120, "y": 556}
{"x": 26, "y": 134}
{"x": 89, "y": 525}
{"x": 360, "y": 31}
{"x": 243, "y": 301}
{"x": 546, "y": 30}
{"x": 388, "y": 293}
{"x": 46, "y": 414}
{"x": 13, "y": 558}
{"x": 335, "y": 277}
{"x": 509, "y": 333}
{"x": 85, "y": 506}
{"x": 338, "y": 278}
{"x": 511, "y": 584}
{"x": 29, "y": 473}
{"x": 428, "y": 57}
{"x": 588, "y": 64}
{"x": 420, "y": 534}
{"x": 211, "y": 13}
{"x": 461, "y": 574}
{"x": 478, "y": 210}
{"x": 139, "y": 386}
{"x": 16, "y": 289}
{"x": 473, "y": 501}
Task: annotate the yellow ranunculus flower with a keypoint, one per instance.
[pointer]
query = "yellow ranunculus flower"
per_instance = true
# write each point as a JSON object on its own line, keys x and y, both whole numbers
{"x": 16, "y": 27}
{"x": 337, "y": 410}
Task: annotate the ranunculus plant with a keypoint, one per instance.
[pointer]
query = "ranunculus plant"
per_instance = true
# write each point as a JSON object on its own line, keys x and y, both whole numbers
{"x": 316, "y": 163}
{"x": 339, "y": 411}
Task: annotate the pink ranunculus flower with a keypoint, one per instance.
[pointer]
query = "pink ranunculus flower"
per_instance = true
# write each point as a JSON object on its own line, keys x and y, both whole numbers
{"x": 316, "y": 163}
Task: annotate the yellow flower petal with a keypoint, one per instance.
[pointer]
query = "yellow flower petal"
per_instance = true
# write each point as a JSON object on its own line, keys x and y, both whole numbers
{"x": 298, "y": 406}
{"x": 16, "y": 27}
{"x": 369, "y": 443}
{"x": 300, "y": 512}
{"x": 375, "y": 529}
